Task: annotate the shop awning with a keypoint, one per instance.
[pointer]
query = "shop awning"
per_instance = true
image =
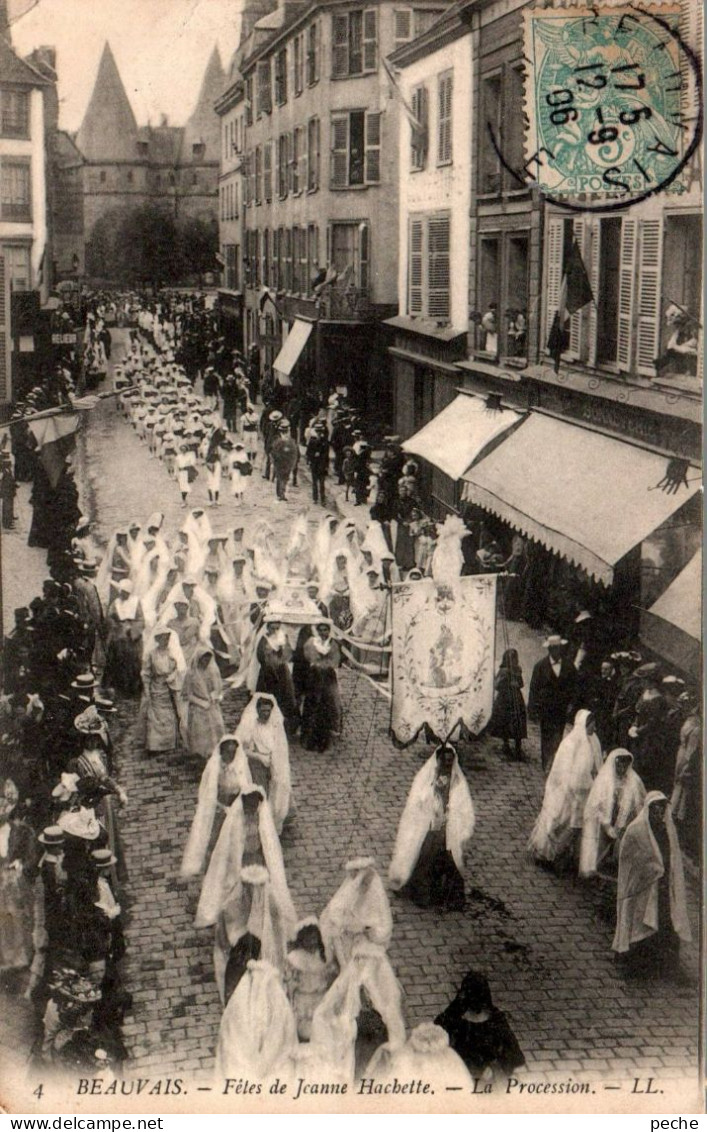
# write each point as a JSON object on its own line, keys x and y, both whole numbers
{"x": 292, "y": 347}
{"x": 459, "y": 434}
{"x": 672, "y": 627}
{"x": 587, "y": 496}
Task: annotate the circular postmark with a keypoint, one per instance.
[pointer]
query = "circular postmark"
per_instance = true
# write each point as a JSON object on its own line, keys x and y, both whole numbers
{"x": 613, "y": 102}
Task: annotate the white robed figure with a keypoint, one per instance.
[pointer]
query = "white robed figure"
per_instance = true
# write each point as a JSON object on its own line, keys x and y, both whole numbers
{"x": 257, "y": 1035}
{"x": 436, "y": 824}
{"x": 358, "y": 910}
{"x": 426, "y": 1055}
{"x": 615, "y": 799}
{"x": 262, "y": 738}
{"x": 577, "y": 762}
{"x": 248, "y": 837}
{"x": 366, "y": 983}
{"x": 225, "y": 775}
{"x": 643, "y": 911}
{"x": 250, "y": 926}
{"x": 448, "y": 560}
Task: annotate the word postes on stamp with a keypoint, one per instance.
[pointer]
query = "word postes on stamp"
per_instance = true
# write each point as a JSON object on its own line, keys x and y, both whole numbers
{"x": 613, "y": 101}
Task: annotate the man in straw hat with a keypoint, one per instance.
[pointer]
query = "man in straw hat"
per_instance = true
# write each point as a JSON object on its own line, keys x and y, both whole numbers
{"x": 552, "y": 691}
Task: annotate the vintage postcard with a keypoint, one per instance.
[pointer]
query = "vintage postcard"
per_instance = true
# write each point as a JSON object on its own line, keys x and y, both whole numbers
{"x": 351, "y": 539}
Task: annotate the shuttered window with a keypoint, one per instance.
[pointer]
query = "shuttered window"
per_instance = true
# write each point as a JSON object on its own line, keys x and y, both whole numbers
{"x": 650, "y": 264}
{"x": 265, "y": 272}
{"x": 282, "y": 163}
{"x": 355, "y": 149}
{"x": 418, "y": 137}
{"x": 312, "y": 254}
{"x": 313, "y": 54}
{"x": 249, "y": 101}
{"x": 298, "y": 64}
{"x": 348, "y": 247}
{"x": 299, "y": 160}
{"x": 281, "y": 77}
{"x": 313, "y": 135}
{"x": 258, "y": 193}
{"x": 627, "y": 278}
{"x": 402, "y": 26}
{"x": 428, "y": 266}
{"x": 264, "y": 88}
{"x": 354, "y": 42}
{"x": 444, "y": 136}
{"x": 267, "y": 172}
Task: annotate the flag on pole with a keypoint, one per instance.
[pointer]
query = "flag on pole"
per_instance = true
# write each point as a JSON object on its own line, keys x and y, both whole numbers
{"x": 575, "y": 293}
{"x": 419, "y": 130}
{"x": 55, "y": 438}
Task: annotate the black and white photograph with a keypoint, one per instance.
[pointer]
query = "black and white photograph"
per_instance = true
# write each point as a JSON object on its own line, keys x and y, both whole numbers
{"x": 351, "y": 514}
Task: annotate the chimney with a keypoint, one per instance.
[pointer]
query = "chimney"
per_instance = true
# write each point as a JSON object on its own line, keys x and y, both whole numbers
{"x": 43, "y": 59}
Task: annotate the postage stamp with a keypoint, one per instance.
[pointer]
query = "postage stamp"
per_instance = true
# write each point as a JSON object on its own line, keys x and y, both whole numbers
{"x": 613, "y": 102}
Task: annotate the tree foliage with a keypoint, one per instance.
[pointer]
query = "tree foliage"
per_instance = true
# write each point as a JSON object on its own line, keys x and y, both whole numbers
{"x": 148, "y": 245}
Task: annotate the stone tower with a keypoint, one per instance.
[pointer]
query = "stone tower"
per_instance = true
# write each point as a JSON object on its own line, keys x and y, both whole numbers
{"x": 108, "y": 132}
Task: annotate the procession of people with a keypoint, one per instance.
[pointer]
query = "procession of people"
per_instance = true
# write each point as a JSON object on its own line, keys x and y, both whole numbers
{"x": 240, "y": 614}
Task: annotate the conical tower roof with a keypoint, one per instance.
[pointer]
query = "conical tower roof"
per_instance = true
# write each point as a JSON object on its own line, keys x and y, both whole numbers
{"x": 204, "y": 125}
{"x": 109, "y": 130}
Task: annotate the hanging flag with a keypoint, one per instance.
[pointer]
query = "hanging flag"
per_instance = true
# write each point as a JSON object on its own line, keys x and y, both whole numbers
{"x": 443, "y": 641}
{"x": 55, "y": 436}
{"x": 419, "y": 131}
{"x": 575, "y": 293}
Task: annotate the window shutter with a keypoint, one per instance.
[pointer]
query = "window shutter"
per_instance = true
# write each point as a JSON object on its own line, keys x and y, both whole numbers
{"x": 372, "y": 173}
{"x": 627, "y": 273}
{"x": 292, "y": 161}
{"x": 370, "y": 39}
{"x": 444, "y": 139}
{"x": 554, "y": 240}
{"x": 593, "y": 268}
{"x": 402, "y": 18}
{"x": 438, "y": 268}
{"x": 650, "y": 264}
{"x": 303, "y": 160}
{"x": 339, "y": 150}
{"x": 577, "y": 319}
{"x": 340, "y": 46}
{"x": 258, "y": 174}
{"x": 267, "y": 172}
{"x": 415, "y": 282}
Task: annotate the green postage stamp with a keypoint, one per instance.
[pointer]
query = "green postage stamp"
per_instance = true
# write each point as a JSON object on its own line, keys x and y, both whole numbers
{"x": 613, "y": 101}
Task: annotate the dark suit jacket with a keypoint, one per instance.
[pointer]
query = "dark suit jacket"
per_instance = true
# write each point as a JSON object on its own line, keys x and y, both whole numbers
{"x": 550, "y": 696}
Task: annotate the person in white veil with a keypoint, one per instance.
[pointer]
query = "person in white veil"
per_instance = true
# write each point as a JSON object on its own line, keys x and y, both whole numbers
{"x": 651, "y": 910}
{"x": 257, "y": 1035}
{"x": 308, "y": 974}
{"x": 136, "y": 548}
{"x": 248, "y": 837}
{"x": 198, "y": 523}
{"x": 149, "y": 580}
{"x": 225, "y": 775}
{"x": 250, "y": 926}
{"x": 615, "y": 799}
{"x": 163, "y": 672}
{"x": 262, "y": 738}
{"x": 346, "y": 1026}
{"x": 321, "y": 549}
{"x": 154, "y": 526}
{"x": 298, "y": 552}
{"x": 115, "y": 565}
{"x": 358, "y": 910}
{"x": 436, "y": 825}
{"x": 426, "y": 1056}
{"x": 448, "y": 560}
{"x": 577, "y": 762}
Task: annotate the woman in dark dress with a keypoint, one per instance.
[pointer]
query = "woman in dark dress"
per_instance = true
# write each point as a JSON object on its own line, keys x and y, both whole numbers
{"x": 274, "y": 653}
{"x": 321, "y": 714}
{"x": 509, "y": 720}
{"x": 478, "y": 1031}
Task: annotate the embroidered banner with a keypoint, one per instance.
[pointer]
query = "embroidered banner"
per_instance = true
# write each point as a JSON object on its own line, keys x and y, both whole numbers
{"x": 443, "y": 656}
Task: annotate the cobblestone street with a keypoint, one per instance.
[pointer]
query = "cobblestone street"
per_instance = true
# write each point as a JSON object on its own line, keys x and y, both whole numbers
{"x": 544, "y": 942}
